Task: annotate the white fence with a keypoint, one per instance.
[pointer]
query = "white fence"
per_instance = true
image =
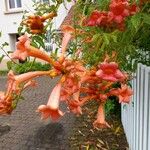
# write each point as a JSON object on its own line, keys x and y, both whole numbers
{"x": 136, "y": 115}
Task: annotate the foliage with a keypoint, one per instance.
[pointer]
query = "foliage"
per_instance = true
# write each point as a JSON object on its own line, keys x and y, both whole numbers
{"x": 112, "y": 107}
{"x": 132, "y": 45}
{"x": 3, "y": 72}
{"x": 27, "y": 66}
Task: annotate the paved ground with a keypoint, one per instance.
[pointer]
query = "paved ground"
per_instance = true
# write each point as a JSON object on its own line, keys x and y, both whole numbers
{"x": 24, "y": 130}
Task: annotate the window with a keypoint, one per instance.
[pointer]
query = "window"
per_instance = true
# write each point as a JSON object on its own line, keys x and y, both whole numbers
{"x": 45, "y": 1}
{"x": 13, "y": 4}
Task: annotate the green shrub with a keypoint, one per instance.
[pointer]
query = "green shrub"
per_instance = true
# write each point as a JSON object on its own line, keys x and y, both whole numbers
{"x": 27, "y": 66}
{"x": 113, "y": 106}
{"x": 3, "y": 72}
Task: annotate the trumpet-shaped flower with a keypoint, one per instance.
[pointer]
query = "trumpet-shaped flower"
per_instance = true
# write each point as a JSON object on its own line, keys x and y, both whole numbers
{"x": 2, "y": 95}
{"x": 67, "y": 35}
{"x": 21, "y": 51}
{"x": 36, "y": 23}
{"x": 24, "y": 49}
{"x": 119, "y": 10}
{"x": 92, "y": 20}
{"x": 124, "y": 94}
{"x": 103, "y": 97}
{"x": 14, "y": 81}
{"x": 5, "y": 104}
{"x": 74, "y": 107}
{"x": 32, "y": 83}
{"x": 74, "y": 104}
{"x": 51, "y": 110}
{"x": 110, "y": 72}
{"x": 100, "y": 122}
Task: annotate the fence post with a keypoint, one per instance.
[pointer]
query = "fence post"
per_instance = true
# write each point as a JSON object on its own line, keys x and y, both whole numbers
{"x": 146, "y": 120}
{"x": 136, "y": 135}
{"x": 141, "y": 106}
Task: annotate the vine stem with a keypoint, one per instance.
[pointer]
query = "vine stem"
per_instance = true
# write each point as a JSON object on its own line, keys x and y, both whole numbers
{"x": 8, "y": 55}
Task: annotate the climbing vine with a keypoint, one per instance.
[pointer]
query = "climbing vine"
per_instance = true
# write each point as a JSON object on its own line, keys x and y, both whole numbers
{"x": 98, "y": 52}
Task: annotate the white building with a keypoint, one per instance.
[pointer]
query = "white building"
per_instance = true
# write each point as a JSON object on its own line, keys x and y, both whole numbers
{"x": 11, "y": 12}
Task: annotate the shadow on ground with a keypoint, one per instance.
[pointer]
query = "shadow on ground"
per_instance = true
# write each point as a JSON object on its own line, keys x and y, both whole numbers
{"x": 4, "y": 129}
{"x": 46, "y": 137}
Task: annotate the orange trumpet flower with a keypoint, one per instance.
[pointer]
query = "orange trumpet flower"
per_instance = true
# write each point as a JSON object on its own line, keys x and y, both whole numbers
{"x": 52, "y": 108}
{"x": 124, "y": 94}
{"x": 14, "y": 81}
{"x": 110, "y": 72}
{"x": 67, "y": 35}
{"x": 101, "y": 122}
{"x": 36, "y": 23}
{"x": 24, "y": 49}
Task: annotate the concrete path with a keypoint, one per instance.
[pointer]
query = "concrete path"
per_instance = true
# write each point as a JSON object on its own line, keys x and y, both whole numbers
{"x": 24, "y": 130}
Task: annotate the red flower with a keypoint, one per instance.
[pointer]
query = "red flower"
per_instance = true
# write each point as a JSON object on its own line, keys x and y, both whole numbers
{"x": 103, "y": 19}
{"x": 118, "y": 10}
{"x": 109, "y": 72}
{"x": 92, "y": 21}
{"x": 134, "y": 9}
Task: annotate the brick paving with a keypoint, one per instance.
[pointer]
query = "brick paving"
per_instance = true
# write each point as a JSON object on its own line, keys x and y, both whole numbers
{"x": 24, "y": 130}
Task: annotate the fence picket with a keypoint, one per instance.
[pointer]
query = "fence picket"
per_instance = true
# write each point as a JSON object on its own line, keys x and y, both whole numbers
{"x": 148, "y": 129}
{"x": 141, "y": 107}
{"x": 146, "y": 107}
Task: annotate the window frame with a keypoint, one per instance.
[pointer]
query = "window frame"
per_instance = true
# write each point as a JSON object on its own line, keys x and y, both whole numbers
{"x": 45, "y": 2}
{"x": 16, "y": 9}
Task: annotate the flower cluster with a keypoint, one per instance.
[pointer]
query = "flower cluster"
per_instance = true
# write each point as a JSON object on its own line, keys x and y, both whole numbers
{"x": 16, "y": 84}
{"x": 116, "y": 15}
{"x": 76, "y": 87}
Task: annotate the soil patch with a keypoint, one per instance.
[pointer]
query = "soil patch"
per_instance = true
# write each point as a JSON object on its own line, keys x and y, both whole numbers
{"x": 85, "y": 137}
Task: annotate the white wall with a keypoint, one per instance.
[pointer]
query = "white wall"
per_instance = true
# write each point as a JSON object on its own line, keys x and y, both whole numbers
{"x": 62, "y": 12}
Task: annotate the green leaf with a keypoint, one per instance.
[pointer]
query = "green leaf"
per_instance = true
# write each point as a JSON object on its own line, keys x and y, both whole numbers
{"x": 5, "y": 44}
{"x": 1, "y": 58}
{"x": 39, "y": 40}
{"x": 34, "y": 44}
{"x": 9, "y": 65}
{"x": 20, "y": 30}
{"x": 96, "y": 37}
{"x": 114, "y": 38}
{"x": 136, "y": 21}
{"x": 106, "y": 38}
{"x": 146, "y": 18}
